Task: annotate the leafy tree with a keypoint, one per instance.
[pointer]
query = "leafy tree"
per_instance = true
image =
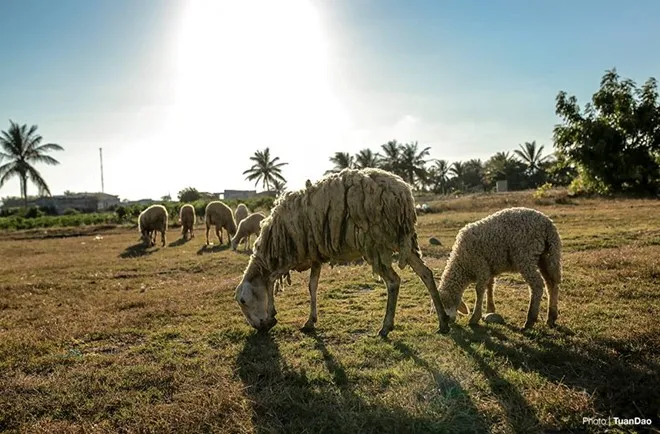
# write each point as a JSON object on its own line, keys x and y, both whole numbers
{"x": 457, "y": 170}
{"x": 367, "y": 158}
{"x": 166, "y": 198}
{"x": 413, "y": 164}
{"x": 189, "y": 194}
{"x": 341, "y": 161}
{"x": 265, "y": 169}
{"x": 615, "y": 140}
{"x": 23, "y": 148}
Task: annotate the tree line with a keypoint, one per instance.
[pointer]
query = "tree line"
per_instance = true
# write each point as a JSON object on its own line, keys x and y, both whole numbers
{"x": 611, "y": 145}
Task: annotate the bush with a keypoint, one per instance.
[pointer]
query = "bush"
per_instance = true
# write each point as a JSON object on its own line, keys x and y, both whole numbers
{"x": 121, "y": 213}
{"x": 33, "y": 212}
{"x": 542, "y": 191}
{"x": 71, "y": 211}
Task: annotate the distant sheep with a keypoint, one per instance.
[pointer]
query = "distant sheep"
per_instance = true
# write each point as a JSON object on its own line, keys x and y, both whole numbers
{"x": 512, "y": 240}
{"x": 246, "y": 228}
{"x": 187, "y": 219}
{"x": 219, "y": 215}
{"x": 365, "y": 213}
{"x": 153, "y": 220}
{"x": 241, "y": 212}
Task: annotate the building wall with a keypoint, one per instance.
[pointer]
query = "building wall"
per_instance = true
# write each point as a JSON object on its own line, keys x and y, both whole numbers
{"x": 239, "y": 194}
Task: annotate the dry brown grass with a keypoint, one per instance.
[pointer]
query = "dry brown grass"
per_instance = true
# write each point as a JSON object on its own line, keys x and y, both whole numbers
{"x": 97, "y": 335}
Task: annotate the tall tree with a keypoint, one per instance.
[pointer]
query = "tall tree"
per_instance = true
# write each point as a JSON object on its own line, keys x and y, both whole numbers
{"x": 22, "y": 148}
{"x": 341, "y": 161}
{"x": 473, "y": 174}
{"x": 391, "y": 159}
{"x": 265, "y": 169}
{"x": 413, "y": 163}
{"x": 367, "y": 158}
{"x": 502, "y": 166}
{"x": 531, "y": 156}
{"x": 438, "y": 176}
{"x": 189, "y": 194}
{"x": 615, "y": 140}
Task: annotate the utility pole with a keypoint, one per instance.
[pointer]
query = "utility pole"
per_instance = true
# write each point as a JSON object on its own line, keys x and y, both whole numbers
{"x": 101, "y": 155}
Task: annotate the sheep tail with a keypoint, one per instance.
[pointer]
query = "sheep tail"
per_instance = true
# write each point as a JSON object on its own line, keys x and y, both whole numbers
{"x": 551, "y": 257}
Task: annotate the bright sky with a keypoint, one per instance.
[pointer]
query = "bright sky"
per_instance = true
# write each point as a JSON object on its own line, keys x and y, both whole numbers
{"x": 181, "y": 93}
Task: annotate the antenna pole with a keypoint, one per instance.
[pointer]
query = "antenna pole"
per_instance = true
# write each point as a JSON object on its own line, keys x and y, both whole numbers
{"x": 101, "y": 156}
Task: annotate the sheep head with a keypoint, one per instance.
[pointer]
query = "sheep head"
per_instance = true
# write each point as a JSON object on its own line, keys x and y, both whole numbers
{"x": 254, "y": 295}
{"x": 452, "y": 302}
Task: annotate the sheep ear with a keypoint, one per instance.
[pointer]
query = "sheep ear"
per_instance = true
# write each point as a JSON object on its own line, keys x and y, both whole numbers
{"x": 463, "y": 309}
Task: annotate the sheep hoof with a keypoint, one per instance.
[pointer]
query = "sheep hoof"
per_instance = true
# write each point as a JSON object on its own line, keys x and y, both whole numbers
{"x": 307, "y": 328}
{"x": 443, "y": 329}
{"x": 385, "y": 331}
{"x": 493, "y": 317}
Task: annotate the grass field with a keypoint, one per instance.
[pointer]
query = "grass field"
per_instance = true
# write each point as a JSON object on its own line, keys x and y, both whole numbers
{"x": 97, "y": 335}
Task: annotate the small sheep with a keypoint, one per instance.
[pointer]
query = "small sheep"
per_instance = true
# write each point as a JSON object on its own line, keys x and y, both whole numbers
{"x": 153, "y": 220}
{"x": 368, "y": 213}
{"x": 187, "y": 219}
{"x": 512, "y": 240}
{"x": 241, "y": 212}
{"x": 246, "y": 228}
{"x": 219, "y": 215}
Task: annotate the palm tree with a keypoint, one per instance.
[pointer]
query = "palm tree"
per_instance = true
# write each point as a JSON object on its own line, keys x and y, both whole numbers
{"x": 341, "y": 160}
{"x": 264, "y": 169}
{"x": 391, "y": 160}
{"x": 439, "y": 176}
{"x": 23, "y": 148}
{"x": 413, "y": 162}
{"x": 458, "y": 170}
{"x": 531, "y": 156}
{"x": 366, "y": 158}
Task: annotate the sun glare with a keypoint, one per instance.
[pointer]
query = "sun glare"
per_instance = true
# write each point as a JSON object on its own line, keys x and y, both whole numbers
{"x": 255, "y": 70}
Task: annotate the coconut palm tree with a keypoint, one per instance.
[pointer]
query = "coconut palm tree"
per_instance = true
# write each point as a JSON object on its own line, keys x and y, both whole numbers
{"x": 413, "y": 163}
{"x": 265, "y": 169}
{"x": 22, "y": 148}
{"x": 531, "y": 156}
{"x": 438, "y": 176}
{"x": 391, "y": 159}
{"x": 366, "y": 158}
{"x": 341, "y": 160}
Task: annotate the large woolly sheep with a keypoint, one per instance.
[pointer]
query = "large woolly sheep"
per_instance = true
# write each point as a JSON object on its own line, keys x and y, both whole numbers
{"x": 365, "y": 213}
{"x": 246, "y": 228}
{"x": 153, "y": 220}
{"x": 219, "y": 215}
{"x": 241, "y": 212}
{"x": 187, "y": 219}
{"x": 511, "y": 240}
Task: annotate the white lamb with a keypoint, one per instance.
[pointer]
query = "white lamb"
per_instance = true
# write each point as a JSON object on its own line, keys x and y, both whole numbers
{"x": 512, "y": 240}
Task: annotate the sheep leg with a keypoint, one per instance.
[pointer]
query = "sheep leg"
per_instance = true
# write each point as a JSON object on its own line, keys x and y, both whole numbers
{"x": 162, "y": 237}
{"x": 490, "y": 303}
{"x": 551, "y": 278}
{"x": 479, "y": 288}
{"x": 208, "y": 228}
{"x": 393, "y": 281}
{"x": 425, "y": 273}
{"x": 535, "y": 282}
{"x": 314, "y": 275}
{"x": 218, "y": 233}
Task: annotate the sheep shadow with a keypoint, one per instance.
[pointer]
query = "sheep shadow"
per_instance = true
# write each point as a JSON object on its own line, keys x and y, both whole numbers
{"x": 286, "y": 399}
{"x": 621, "y": 379}
{"x": 136, "y": 250}
{"x": 212, "y": 248}
{"x": 180, "y": 242}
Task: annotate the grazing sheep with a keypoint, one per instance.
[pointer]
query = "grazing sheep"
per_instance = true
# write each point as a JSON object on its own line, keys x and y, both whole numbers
{"x": 219, "y": 215}
{"x": 187, "y": 218}
{"x": 246, "y": 228}
{"x": 151, "y": 221}
{"x": 241, "y": 212}
{"x": 512, "y": 240}
{"x": 365, "y": 213}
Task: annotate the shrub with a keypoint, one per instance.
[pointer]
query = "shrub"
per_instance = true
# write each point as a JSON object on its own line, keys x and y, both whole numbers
{"x": 71, "y": 211}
